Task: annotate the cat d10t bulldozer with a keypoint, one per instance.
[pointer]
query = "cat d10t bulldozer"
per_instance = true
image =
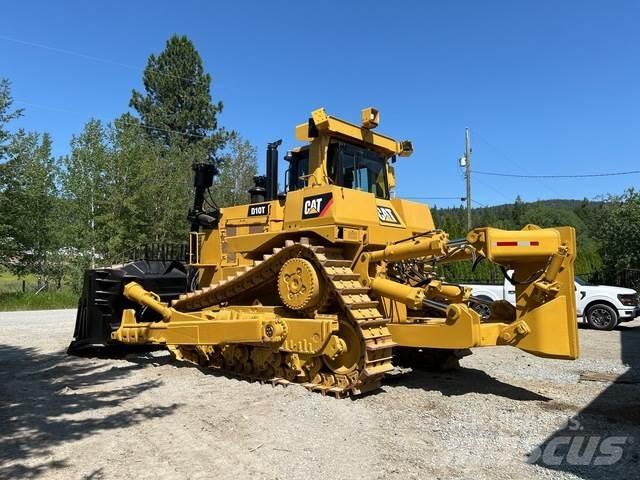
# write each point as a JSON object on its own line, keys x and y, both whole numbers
{"x": 321, "y": 283}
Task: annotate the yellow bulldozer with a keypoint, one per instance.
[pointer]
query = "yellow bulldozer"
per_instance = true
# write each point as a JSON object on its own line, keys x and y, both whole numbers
{"x": 325, "y": 283}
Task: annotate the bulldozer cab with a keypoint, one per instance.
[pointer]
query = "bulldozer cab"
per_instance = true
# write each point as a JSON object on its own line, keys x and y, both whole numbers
{"x": 343, "y": 154}
{"x": 347, "y": 165}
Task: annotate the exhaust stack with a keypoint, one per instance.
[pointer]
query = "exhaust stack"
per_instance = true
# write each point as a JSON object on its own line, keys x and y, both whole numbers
{"x": 272, "y": 170}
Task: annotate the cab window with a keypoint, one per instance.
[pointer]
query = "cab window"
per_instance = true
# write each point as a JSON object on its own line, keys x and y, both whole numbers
{"x": 355, "y": 167}
{"x": 298, "y": 167}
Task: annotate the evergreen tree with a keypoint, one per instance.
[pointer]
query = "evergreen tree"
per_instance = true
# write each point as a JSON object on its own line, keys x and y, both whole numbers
{"x": 179, "y": 119}
{"x": 517, "y": 213}
{"x": 176, "y": 107}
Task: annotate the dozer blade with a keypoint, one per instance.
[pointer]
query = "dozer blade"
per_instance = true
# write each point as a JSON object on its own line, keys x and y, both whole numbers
{"x": 543, "y": 321}
{"x": 553, "y": 325}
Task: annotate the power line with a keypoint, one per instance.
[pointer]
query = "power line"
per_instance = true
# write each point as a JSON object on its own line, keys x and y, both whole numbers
{"x": 132, "y": 122}
{"x": 511, "y": 159}
{"x": 462, "y": 199}
{"x": 87, "y": 57}
{"x": 68, "y": 52}
{"x": 435, "y": 198}
{"x": 589, "y": 175}
{"x": 491, "y": 187}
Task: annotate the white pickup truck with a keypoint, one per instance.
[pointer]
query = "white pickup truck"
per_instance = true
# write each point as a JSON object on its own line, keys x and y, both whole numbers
{"x": 601, "y": 306}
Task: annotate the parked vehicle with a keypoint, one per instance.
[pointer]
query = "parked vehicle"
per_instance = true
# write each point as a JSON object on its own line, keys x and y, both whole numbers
{"x": 602, "y": 307}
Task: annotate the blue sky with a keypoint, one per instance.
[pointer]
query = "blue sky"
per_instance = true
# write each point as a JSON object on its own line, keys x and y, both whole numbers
{"x": 546, "y": 87}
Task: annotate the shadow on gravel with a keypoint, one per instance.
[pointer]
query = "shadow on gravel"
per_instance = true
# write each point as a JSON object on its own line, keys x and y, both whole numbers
{"x": 462, "y": 382}
{"x": 602, "y": 441}
{"x": 49, "y": 399}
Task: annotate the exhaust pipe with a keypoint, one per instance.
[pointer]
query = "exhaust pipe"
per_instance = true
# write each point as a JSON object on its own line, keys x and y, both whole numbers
{"x": 272, "y": 170}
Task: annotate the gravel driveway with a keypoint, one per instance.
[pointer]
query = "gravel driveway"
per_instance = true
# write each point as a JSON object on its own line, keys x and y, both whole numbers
{"x": 144, "y": 416}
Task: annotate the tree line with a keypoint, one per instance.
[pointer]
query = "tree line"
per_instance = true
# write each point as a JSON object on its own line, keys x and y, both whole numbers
{"x": 124, "y": 183}
{"x": 606, "y": 230}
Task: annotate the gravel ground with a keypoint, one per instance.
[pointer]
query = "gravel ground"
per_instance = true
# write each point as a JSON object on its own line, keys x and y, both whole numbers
{"x": 146, "y": 417}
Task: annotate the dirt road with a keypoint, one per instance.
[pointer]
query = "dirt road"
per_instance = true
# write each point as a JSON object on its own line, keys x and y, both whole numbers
{"x": 146, "y": 417}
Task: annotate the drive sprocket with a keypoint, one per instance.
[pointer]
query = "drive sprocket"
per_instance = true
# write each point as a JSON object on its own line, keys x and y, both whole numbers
{"x": 299, "y": 285}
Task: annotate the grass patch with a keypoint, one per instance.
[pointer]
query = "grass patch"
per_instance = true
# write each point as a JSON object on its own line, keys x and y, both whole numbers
{"x": 42, "y": 301}
{"x": 11, "y": 283}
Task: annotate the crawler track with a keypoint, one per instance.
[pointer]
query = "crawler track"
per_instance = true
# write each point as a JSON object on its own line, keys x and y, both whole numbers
{"x": 346, "y": 297}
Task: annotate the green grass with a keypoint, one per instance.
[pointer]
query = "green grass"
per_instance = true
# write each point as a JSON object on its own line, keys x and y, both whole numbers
{"x": 41, "y": 301}
{"x": 12, "y": 297}
{"x": 11, "y": 283}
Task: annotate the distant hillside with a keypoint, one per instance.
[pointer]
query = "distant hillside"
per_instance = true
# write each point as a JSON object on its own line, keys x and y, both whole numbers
{"x": 580, "y": 214}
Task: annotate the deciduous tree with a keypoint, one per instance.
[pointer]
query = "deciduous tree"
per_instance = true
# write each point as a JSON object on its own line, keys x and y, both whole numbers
{"x": 238, "y": 166}
{"x": 29, "y": 209}
{"x": 6, "y": 114}
{"x": 86, "y": 193}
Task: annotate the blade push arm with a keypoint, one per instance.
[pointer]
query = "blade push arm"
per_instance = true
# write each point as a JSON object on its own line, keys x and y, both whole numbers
{"x": 543, "y": 321}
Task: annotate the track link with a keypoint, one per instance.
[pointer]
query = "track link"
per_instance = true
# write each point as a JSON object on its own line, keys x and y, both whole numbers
{"x": 355, "y": 305}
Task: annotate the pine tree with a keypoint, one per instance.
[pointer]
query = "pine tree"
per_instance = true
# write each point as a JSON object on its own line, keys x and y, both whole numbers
{"x": 176, "y": 108}
{"x": 518, "y": 212}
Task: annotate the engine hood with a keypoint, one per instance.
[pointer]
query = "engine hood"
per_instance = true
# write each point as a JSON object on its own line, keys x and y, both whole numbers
{"x": 605, "y": 289}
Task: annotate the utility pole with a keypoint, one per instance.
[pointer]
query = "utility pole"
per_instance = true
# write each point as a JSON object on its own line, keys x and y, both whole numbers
{"x": 467, "y": 156}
